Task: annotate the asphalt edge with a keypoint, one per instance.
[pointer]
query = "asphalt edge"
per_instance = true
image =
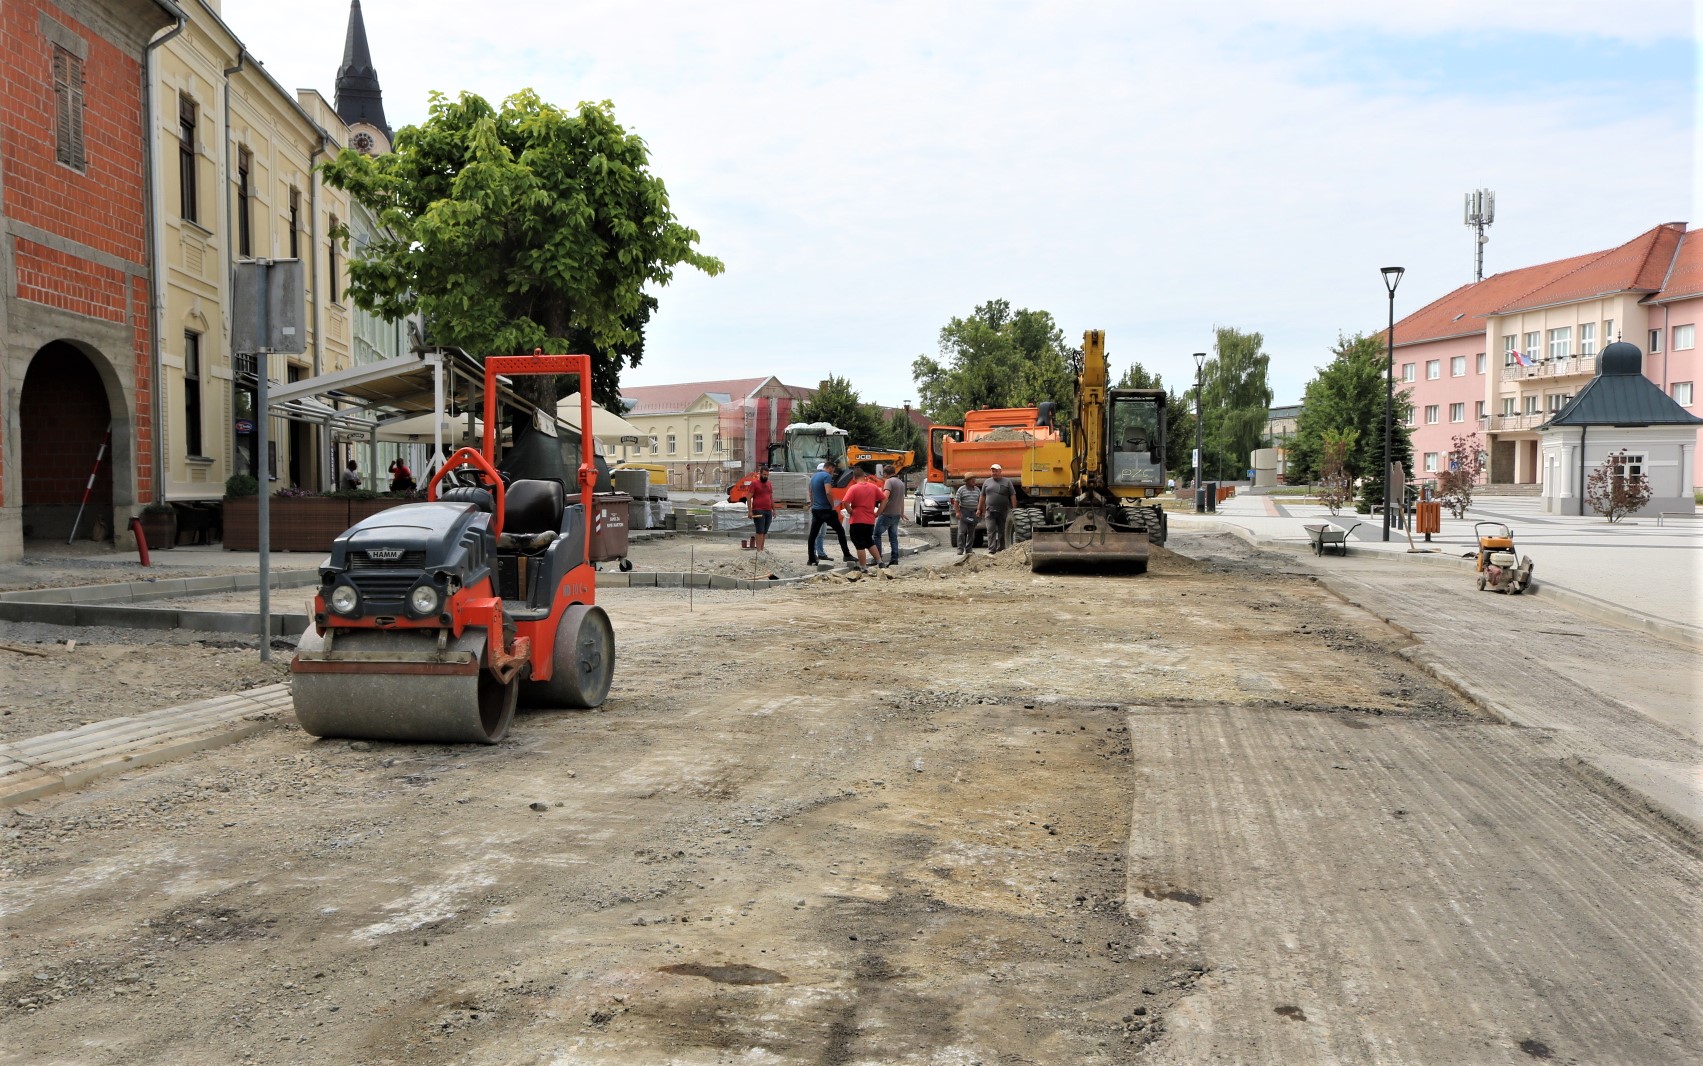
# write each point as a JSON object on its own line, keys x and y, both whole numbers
{"x": 1682, "y": 829}
{"x": 1601, "y": 610}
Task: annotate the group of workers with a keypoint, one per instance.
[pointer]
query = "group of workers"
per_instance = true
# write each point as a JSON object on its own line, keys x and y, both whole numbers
{"x": 872, "y": 507}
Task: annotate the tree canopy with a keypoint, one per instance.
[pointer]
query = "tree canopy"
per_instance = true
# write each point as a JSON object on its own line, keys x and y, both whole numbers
{"x": 996, "y": 357}
{"x": 1235, "y": 402}
{"x": 520, "y": 227}
{"x": 1348, "y": 395}
{"x": 837, "y": 403}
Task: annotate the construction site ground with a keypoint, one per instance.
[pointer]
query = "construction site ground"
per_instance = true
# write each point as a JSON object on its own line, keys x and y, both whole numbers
{"x": 1248, "y": 807}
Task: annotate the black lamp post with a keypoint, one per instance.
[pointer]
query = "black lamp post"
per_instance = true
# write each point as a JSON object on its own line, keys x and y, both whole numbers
{"x": 1392, "y": 278}
{"x": 1199, "y": 366}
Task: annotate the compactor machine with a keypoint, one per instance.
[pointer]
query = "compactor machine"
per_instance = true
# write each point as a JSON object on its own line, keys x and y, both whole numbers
{"x": 434, "y": 620}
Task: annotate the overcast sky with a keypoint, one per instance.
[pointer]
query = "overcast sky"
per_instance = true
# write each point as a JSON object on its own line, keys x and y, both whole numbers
{"x": 869, "y": 170}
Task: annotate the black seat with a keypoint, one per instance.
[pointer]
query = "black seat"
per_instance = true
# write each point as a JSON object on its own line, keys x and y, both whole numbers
{"x": 473, "y": 494}
{"x": 533, "y": 506}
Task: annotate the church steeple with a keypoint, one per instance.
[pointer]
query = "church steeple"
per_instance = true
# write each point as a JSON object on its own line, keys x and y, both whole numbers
{"x": 359, "y": 99}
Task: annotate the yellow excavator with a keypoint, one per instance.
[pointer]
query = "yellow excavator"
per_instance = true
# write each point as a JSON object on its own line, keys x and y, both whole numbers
{"x": 1117, "y": 467}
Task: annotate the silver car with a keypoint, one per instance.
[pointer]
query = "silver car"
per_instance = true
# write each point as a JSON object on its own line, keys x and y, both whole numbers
{"x": 931, "y": 503}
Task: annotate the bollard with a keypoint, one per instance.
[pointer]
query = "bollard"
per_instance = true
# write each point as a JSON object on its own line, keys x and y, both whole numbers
{"x": 141, "y": 539}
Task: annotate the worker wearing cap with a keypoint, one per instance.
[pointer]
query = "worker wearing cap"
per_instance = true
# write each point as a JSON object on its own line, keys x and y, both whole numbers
{"x": 999, "y": 496}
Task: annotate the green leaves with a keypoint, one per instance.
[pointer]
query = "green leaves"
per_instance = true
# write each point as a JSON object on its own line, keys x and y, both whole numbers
{"x": 995, "y": 358}
{"x": 519, "y": 226}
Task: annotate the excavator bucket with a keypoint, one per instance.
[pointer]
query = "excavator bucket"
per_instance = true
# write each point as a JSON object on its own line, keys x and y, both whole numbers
{"x": 1091, "y": 541}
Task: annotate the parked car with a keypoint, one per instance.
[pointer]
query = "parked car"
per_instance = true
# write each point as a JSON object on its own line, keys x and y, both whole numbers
{"x": 931, "y": 503}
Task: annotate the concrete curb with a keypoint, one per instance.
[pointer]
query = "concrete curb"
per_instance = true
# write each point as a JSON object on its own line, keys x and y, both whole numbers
{"x": 72, "y": 758}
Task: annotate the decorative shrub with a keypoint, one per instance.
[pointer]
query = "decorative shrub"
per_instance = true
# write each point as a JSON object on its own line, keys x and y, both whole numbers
{"x": 240, "y": 485}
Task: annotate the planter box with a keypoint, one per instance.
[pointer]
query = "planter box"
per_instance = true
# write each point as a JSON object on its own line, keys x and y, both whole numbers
{"x": 299, "y": 523}
{"x": 359, "y": 509}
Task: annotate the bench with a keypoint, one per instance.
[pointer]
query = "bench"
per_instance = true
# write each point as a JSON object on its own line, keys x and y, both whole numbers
{"x": 1677, "y": 514}
{"x": 1326, "y": 538}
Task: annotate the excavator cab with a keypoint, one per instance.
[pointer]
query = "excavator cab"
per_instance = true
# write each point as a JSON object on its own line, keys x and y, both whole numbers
{"x": 1136, "y": 463}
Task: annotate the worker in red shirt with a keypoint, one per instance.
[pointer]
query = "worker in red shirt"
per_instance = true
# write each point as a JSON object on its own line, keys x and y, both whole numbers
{"x": 859, "y": 505}
{"x": 760, "y": 505}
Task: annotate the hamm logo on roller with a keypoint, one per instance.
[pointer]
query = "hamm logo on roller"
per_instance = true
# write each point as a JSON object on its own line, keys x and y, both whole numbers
{"x": 384, "y": 555}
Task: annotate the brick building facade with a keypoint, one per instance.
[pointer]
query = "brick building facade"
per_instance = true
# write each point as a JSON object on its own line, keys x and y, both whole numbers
{"x": 76, "y": 338}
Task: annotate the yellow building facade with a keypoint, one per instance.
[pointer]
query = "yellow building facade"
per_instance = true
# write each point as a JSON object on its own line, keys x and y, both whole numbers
{"x": 234, "y": 156}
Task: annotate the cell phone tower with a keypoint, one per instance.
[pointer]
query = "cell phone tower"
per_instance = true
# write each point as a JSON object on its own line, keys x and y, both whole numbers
{"x": 1480, "y": 212}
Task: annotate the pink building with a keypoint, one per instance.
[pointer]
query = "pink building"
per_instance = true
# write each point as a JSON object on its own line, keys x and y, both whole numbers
{"x": 1504, "y": 355}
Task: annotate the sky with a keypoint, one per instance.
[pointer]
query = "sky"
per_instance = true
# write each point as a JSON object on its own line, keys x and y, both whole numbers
{"x": 868, "y": 171}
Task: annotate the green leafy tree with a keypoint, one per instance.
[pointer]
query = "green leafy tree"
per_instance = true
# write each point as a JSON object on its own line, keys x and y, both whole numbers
{"x": 519, "y": 227}
{"x": 1179, "y": 434}
{"x": 997, "y": 357}
{"x": 1138, "y": 377}
{"x": 837, "y": 403}
{"x": 1235, "y": 401}
{"x": 1347, "y": 394}
{"x": 903, "y": 435}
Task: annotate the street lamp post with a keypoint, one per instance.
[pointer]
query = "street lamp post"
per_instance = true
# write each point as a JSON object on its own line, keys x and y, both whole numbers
{"x": 1199, "y": 365}
{"x": 1392, "y": 278}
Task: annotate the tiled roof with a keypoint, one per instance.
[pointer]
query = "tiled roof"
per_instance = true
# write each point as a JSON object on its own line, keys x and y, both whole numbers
{"x": 1639, "y": 265}
{"x": 1685, "y": 276}
{"x": 1646, "y": 263}
{"x": 670, "y": 399}
{"x": 1461, "y": 312}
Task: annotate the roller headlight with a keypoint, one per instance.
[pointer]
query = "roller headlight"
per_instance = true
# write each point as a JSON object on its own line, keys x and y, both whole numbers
{"x": 345, "y": 600}
{"x": 424, "y": 599}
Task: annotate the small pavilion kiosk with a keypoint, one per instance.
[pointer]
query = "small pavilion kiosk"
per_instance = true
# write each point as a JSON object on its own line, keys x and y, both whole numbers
{"x": 1620, "y": 410}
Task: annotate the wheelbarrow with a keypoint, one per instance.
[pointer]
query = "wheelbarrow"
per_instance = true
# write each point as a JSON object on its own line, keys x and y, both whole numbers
{"x": 1330, "y": 538}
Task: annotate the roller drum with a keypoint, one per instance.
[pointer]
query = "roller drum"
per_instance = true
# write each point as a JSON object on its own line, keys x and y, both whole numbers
{"x": 394, "y": 685}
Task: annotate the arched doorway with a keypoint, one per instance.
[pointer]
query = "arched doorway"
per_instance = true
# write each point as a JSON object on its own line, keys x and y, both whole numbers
{"x": 63, "y": 417}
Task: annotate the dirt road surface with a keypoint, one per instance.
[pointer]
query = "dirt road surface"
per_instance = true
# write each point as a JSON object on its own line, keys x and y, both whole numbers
{"x": 951, "y": 814}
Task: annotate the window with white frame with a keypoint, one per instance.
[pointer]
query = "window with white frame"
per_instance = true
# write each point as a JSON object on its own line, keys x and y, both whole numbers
{"x": 1682, "y": 393}
{"x": 1561, "y": 342}
{"x": 1534, "y": 341}
{"x": 1533, "y": 401}
{"x": 1684, "y": 338}
{"x": 1457, "y": 367}
{"x": 1431, "y": 411}
{"x": 1627, "y": 465}
{"x": 1410, "y": 416}
{"x": 1587, "y": 338}
{"x": 1655, "y": 341}
{"x": 1433, "y": 369}
{"x": 1510, "y": 345}
{"x": 1608, "y": 331}
{"x": 1409, "y": 371}
{"x": 655, "y": 445}
{"x": 1480, "y": 410}
{"x": 697, "y": 444}
{"x": 1430, "y": 462}
{"x": 1508, "y": 406}
{"x": 1483, "y": 362}
{"x": 1558, "y": 400}
{"x": 1457, "y": 412}
{"x": 671, "y": 444}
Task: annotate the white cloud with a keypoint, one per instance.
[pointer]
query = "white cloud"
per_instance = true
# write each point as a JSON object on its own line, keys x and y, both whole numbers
{"x": 868, "y": 171}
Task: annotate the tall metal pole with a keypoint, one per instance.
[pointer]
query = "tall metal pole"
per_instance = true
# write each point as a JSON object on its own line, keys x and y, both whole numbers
{"x": 263, "y": 426}
{"x": 1199, "y": 365}
{"x": 1392, "y": 278}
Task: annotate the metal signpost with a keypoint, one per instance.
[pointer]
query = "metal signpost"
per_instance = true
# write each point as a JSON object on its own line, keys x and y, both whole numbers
{"x": 266, "y": 317}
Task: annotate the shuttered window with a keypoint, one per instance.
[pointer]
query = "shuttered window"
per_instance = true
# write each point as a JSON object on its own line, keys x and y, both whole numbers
{"x": 68, "y": 108}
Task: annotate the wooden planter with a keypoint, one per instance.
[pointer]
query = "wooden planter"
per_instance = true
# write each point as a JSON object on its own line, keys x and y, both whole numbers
{"x": 160, "y": 530}
{"x": 299, "y": 523}
{"x": 359, "y": 509}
